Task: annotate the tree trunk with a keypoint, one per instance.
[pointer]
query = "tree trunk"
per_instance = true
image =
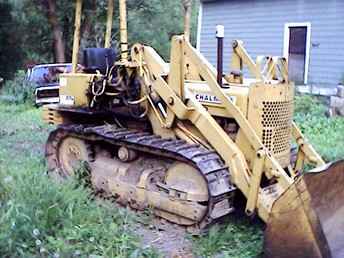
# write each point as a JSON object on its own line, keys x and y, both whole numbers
{"x": 87, "y": 27}
{"x": 59, "y": 43}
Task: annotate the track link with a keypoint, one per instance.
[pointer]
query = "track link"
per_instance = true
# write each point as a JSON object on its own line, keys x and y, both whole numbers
{"x": 207, "y": 162}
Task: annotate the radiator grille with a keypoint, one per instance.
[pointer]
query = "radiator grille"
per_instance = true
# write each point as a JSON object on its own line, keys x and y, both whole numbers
{"x": 47, "y": 93}
{"x": 277, "y": 122}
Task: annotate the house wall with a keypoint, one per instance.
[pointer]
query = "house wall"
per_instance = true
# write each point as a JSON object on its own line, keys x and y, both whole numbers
{"x": 261, "y": 25}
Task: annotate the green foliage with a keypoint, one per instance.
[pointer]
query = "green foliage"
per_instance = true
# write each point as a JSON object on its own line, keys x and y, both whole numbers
{"x": 309, "y": 105}
{"x": 4, "y": 188}
{"x": 10, "y": 49}
{"x": 238, "y": 237}
{"x": 325, "y": 134}
{"x": 157, "y": 22}
{"x": 38, "y": 45}
{"x": 19, "y": 90}
{"x": 151, "y": 22}
{"x": 83, "y": 175}
{"x": 42, "y": 218}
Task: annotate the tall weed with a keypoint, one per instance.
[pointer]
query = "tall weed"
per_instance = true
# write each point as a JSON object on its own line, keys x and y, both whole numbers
{"x": 42, "y": 217}
{"x": 18, "y": 90}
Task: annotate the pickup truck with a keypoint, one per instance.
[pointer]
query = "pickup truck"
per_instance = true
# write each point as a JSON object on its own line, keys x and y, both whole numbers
{"x": 46, "y": 80}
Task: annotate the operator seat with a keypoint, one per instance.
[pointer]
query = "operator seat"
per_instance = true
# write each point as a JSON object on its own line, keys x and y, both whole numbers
{"x": 98, "y": 59}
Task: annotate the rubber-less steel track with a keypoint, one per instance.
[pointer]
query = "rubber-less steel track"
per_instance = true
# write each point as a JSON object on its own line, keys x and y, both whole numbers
{"x": 207, "y": 162}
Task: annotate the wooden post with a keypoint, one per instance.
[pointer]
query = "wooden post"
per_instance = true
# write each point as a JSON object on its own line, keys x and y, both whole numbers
{"x": 76, "y": 41}
{"x": 109, "y": 24}
{"x": 123, "y": 29}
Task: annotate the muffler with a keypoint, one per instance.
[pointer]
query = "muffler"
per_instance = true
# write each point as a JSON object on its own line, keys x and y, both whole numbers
{"x": 307, "y": 221}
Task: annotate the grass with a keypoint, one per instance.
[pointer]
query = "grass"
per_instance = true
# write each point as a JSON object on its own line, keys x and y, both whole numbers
{"x": 237, "y": 237}
{"x": 42, "y": 218}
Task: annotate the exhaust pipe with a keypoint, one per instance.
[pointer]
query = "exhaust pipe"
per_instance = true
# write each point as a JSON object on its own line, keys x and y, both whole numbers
{"x": 220, "y": 34}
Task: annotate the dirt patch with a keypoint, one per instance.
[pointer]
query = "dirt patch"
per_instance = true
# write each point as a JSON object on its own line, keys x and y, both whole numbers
{"x": 169, "y": 239}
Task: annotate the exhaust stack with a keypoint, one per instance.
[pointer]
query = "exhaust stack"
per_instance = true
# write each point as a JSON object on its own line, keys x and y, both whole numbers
{"x": 220, "y": 34}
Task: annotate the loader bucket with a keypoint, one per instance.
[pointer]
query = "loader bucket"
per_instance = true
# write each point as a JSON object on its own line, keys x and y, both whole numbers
{"x": 307, "y": 220}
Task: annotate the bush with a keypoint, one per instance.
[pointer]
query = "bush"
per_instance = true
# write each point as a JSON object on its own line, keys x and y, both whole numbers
{"x": 18, "y": 90}
{"x": 309, "y": 105}
{"x": 324, "y": 133}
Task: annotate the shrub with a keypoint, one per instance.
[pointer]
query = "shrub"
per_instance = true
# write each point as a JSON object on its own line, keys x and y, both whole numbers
{"x": 324, "y": 133}
{"x": 309, "y": 105}
{"x": 19, "y": 90}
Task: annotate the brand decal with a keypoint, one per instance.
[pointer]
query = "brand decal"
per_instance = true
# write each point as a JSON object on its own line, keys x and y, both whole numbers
{"x": 67, "y": 100}
{"x": 63, "y": 82}
{"x": 204, "y": 97}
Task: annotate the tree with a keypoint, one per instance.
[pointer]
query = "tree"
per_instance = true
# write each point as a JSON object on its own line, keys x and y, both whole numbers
{"x": 59, "y": 43}
{"x": 43, "y": 29}
{"x": 155, "y": 22}
{"x": 49, "y": 7}
{"x": 10, "y": 51}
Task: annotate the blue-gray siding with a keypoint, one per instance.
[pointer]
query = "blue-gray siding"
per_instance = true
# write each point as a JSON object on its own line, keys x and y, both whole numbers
{"x": 260, "y": 24}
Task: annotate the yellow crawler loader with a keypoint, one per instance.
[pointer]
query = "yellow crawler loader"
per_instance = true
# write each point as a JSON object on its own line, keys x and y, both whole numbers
{"x": 185, "y": 140}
